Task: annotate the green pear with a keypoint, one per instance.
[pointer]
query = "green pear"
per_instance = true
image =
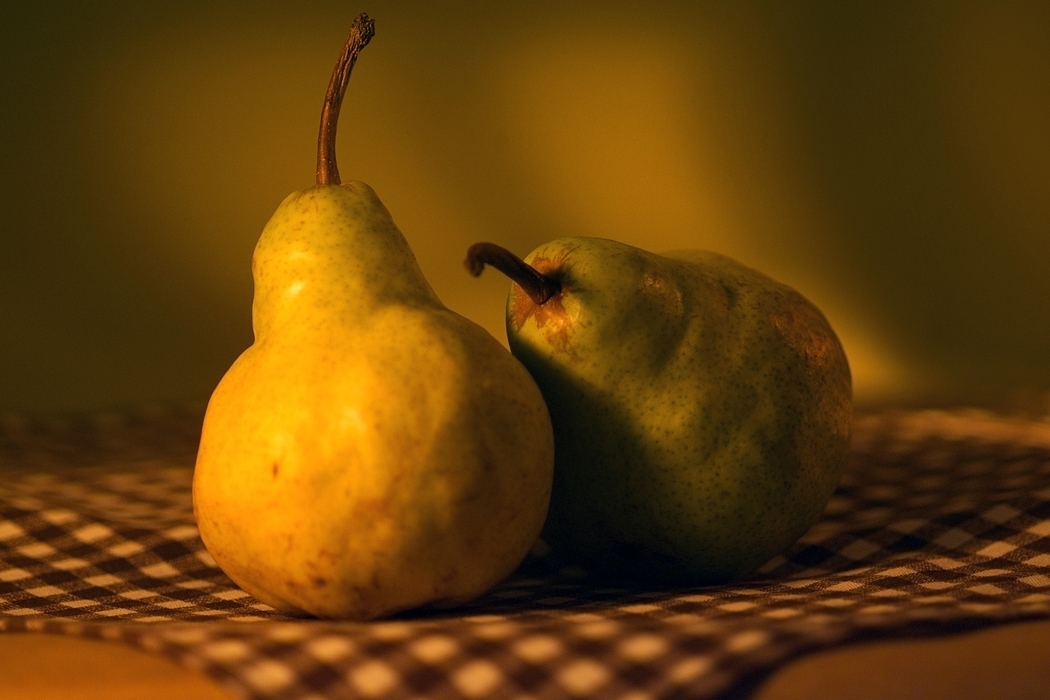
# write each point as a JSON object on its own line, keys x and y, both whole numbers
{"x": 702, "y": 411}
{"x": 372, "y": 451}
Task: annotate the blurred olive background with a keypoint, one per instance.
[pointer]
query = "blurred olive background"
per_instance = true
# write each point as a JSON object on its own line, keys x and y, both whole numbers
{"x": 889, "y": 160}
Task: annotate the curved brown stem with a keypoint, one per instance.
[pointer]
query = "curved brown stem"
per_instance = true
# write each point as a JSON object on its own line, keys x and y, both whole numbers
{"x": 538, "y": 286}
{"x": 361, "y": 32}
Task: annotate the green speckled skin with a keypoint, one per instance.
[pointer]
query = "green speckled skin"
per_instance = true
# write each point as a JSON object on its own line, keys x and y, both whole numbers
{"x": 372, "y": 451}
{"x": 702, "y": 411}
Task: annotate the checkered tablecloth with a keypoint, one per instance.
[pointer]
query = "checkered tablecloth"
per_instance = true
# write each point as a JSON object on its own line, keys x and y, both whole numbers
{"x": 941, "y": 523}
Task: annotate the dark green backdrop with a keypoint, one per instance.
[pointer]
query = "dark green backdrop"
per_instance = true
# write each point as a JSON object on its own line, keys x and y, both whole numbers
{"x": 891, "y": 160}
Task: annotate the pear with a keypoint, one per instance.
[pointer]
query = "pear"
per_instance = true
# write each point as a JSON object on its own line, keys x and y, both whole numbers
{"x": 372, "y": 451}
{"x": 702, "y": 411}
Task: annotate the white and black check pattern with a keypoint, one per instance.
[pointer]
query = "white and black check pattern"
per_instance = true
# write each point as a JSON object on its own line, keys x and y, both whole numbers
{"x": 941, "y": 523}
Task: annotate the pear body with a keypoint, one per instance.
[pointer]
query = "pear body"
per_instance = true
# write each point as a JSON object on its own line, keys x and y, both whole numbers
{"x": 702, "y": 411}
{"x": 372, "y": 451}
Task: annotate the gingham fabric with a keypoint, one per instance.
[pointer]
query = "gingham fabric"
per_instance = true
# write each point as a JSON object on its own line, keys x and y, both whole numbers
{"x": 941, "y": 523}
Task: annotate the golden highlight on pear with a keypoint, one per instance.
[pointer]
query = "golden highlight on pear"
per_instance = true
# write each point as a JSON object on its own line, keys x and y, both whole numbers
{"x": 372, "y": 451}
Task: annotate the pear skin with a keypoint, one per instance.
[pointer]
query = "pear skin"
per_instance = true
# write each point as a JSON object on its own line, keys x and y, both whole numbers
{"x": 702, "y": 411}
{"x": 372, "y": 451}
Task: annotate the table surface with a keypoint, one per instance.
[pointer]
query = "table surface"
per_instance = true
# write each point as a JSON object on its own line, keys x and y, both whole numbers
{"x": 1006, "y": 661}
{"x": 936, "y": 542}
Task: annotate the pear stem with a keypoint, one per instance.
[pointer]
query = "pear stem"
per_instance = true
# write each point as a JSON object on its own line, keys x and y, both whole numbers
{"x": 361, "y": 32}
{"x": 538, "y": 286}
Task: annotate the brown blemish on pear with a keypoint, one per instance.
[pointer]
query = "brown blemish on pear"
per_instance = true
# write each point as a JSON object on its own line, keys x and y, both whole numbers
{"x": 806, "y": 330}
{"x": 550, "y": 317}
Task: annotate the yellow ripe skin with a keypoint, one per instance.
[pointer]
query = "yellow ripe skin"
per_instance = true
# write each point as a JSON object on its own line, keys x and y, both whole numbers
{"x": 372, "y": 451}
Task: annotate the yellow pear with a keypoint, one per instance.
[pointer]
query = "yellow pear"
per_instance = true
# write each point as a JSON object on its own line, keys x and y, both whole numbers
{"x": 372, "y": 451}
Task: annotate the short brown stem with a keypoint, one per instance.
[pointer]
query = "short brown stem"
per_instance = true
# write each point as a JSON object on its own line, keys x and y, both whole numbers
{"x": 361, "y": 32}
{"x": 538, "y": 286}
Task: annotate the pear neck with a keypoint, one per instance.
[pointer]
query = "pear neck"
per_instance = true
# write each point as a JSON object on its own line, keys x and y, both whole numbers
{"x": 334, "y": 251}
